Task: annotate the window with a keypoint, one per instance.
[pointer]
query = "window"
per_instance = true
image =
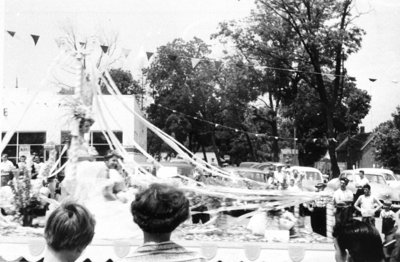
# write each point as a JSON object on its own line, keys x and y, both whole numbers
{"x": 33, "y": 140}
{"x": 96, "y": 139}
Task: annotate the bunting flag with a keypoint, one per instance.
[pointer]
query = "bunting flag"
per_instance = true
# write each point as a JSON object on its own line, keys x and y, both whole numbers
{"x": 217, "y": 64}
{"x": 104, "y": 48}
{"x": 126, "y": 52}
{"x": 35, "y": 38}
{"x": 195, "y": 62}
{"x": 149, "y": 55}
{"x": 172, "y": 57}
{"x": 372, "y": 79}
{"x": 11, "y": 33}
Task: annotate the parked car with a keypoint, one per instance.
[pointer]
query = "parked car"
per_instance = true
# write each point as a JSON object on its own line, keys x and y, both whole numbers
{"x": 248, "y": 164}
{"x": 383, "y": 183}
{"x": 268, "y": 165}
{"x": 312, "y": 176}
{"x": 250, "y": 173}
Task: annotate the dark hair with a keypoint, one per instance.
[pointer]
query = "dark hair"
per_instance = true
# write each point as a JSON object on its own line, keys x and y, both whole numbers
{"x": 362, "y": 171}
{"x": 69, "y": 227}
{"x": 361, "y": 239}
{"x": 83, "y": 120}
{"x": 111, "y": 153}
{"x": 160, "y": 209}
{"x": 344, "y": 179}
{"x": 367, "y": 186}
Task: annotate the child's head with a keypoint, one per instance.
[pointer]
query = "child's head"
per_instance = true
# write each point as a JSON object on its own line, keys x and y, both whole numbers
{"x": 387, "y": 205}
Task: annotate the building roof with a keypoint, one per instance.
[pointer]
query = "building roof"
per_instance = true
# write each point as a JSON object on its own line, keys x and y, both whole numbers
{"x": 357, "y": 142}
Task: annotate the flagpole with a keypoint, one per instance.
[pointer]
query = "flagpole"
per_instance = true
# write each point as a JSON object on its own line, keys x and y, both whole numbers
{"x": 2, "y": 27}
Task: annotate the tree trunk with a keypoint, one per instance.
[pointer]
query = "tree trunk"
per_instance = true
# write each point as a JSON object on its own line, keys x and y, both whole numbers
{"x": 251, "y": 148}
{"x": 275, "y": 145}
{"x": 204, "y": 152}
{"x": 332, "y": 145}
{"x": 215, "y": 148}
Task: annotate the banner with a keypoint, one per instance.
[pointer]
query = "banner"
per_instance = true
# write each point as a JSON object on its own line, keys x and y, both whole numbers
{"x": 25, "y": 150}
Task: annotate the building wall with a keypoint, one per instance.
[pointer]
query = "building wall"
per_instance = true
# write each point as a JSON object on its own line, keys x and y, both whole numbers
{"x": 22, "y": 111}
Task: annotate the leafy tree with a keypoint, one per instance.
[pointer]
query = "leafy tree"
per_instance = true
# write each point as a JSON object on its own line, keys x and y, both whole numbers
{"x": 387, "y": 142}
{"x": 309, "y": 39}
{"x": 125, "y": 83}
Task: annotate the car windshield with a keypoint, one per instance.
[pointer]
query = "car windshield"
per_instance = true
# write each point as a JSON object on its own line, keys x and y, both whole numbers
{"x": 389, "y": 177}
{"x": 375, "y": 178}
{"x": 310, "y": 175}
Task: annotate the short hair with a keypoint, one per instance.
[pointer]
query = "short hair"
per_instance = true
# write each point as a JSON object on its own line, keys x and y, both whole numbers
{"x": 69, "y": 227}
{"x": 345, "y": 180}
{"x": 83, "y": 120}
{"x": 367, "y": 186}
{"x": 361, "y": 239}
{"x": 160, "y": 208}
{"x": 362, "y": 171}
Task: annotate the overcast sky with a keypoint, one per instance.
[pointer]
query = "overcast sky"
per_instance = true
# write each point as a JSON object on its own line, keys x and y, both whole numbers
{"x": 144, "y": 25}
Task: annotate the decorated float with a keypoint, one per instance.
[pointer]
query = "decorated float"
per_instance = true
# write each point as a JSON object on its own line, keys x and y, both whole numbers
{"x": 245, "y": 221}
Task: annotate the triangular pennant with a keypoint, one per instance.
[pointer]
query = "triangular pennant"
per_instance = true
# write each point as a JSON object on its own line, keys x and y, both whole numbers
{"x": 372, "y": 79}
{"x": 125, "y": 52}
{"x": 195, "y": 62}
{"x": 149, "y": 55}
{"x": 11, "y": 33}
{"x": 172, "y": 57}
{"x": 104, "y": 48}
{"x": 217, "y": 64}
{"x": 35, "y": 38}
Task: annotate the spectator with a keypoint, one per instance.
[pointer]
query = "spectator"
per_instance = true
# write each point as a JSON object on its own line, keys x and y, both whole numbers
{"x": 158, "y": 210}
{"x": 318, "y": 212}
{"x": 22, "y": 162}
{"x": 360, "y": 181}
{"x": 6, "y": 166}
{"x": 342, "y": 200}
{"x": 68, "y": 231}
{"x": 357, "y": 241}
{"x": 368, "y": 205}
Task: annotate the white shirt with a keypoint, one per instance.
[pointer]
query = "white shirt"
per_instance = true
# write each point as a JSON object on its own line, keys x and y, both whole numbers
{"x": 343, "y": 196}
{"x": 361, "y": 181}
{"x": 6, "y": 166}
{"x": 367, "y": 205}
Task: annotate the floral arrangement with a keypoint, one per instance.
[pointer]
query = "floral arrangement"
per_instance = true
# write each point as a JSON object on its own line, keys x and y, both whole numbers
{"x": 24, "y": 199}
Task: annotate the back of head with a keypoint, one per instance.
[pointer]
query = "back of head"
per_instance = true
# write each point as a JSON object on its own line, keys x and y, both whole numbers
{"x": 361, "y": 239}
{"x": 160, "y": 208}
{"x": 69, "y": 227}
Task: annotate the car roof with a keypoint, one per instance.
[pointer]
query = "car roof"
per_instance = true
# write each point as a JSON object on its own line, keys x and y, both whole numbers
{"x": 305, "y": 168}
{"x": 244, "y": 169}
{"x": 374, "y": 171}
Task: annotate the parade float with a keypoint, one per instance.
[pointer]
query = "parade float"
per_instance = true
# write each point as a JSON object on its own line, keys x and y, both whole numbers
{"x": 222, "y": 238}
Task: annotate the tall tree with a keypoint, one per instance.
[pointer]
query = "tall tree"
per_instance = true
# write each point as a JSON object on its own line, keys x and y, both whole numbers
{"x": 310, "y": 38}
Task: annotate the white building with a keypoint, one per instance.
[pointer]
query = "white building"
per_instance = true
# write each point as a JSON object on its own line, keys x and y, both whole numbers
{"x": 40, "y": 118}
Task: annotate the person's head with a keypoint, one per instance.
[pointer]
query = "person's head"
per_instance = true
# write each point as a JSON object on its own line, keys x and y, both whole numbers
{"x": 320, "y": 187}
{"x": 36, "y": 159}
{"x": 387, "y": 204}
{"x": 160, "y": 209}
{"x": 4, "y": 157}
{"x": 367, "y": 189}
{"x": 69, "y": 230}
{"x": 343, "y": 182}
{"x": 291, "y": 182}
{"x": 22, "y": 158}
{"x": 111, "y": 159}
{"x": 361, "y": 173}
{"x": 85, "y": 124}
{"x": 357, "y": 241}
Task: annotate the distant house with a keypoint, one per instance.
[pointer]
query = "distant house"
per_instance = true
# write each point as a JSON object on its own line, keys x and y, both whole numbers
{"x": 358, "y": 151}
